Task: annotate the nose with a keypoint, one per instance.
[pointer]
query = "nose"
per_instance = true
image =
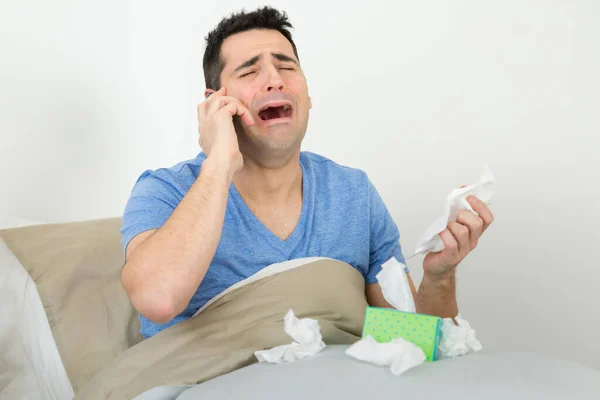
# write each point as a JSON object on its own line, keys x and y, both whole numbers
{"x": 275, "y": 81}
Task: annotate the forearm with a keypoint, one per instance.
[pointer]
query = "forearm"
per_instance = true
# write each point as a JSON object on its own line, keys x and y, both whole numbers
{"x": 165, "y": 270}
{"x": 437, "y": 296}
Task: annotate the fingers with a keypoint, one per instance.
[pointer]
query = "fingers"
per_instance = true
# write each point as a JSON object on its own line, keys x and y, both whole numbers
{"x": 473, "y": 223}
{"x": 204, "y": 108}
{"x": 483, "y": 210}
{"x": 219, "y": 101}
{"x": 220, "y": 92}
{"x": 206, "y": 105}
{"x": 237, "y": 108}
{"x": 461, "y": 234}
{"x": 456, "y": 242}
{"x": 450, "y": 243}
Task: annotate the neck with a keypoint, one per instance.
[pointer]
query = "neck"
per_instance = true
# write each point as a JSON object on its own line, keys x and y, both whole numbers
{"x": 260, "y": 184}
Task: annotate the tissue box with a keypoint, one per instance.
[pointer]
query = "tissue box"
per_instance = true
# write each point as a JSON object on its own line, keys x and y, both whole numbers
{"x": 385, "y": 324}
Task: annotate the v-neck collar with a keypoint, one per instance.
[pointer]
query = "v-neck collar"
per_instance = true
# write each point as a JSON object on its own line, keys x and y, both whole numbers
{"x": 287, "y": 245}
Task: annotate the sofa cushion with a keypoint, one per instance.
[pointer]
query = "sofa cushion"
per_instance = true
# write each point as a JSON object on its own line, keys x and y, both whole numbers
{"x": 77, "y": 271}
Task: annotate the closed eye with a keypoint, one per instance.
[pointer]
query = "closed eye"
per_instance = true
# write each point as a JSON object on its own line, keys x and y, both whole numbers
{"x": 247, "y": 73}
{"x": 287, "y": 68}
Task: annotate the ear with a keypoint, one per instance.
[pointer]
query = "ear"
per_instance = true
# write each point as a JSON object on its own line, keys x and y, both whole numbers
{"x": 208, "y": 92}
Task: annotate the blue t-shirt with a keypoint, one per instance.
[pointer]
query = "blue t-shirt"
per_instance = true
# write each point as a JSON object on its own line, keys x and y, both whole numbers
{"x": 343, "y": 217}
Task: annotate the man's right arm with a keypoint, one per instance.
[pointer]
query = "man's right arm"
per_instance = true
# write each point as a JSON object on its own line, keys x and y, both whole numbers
{"x": 164, "y": 267}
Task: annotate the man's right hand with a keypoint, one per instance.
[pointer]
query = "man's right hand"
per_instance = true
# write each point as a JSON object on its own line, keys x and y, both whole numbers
{"x": 217, "y": 137}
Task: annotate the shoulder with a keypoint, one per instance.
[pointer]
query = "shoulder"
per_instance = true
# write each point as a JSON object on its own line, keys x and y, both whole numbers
{"x": 155, "y": 195}
{"x": 326, "y": 169}
{"x": 178, "y": 177}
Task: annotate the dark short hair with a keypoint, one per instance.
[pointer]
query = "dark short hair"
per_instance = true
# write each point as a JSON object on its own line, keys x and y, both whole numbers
{"x": 262, "y": 18}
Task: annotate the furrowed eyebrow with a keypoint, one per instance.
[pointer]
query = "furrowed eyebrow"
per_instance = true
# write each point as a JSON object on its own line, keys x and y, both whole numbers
{"x": 284, "y": 58}
{"x": 278, "y": 56}
{"x": 247, "y": 63}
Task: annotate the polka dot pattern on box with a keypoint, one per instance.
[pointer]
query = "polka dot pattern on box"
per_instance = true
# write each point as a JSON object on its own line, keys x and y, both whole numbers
{"x": 384, "y": 325}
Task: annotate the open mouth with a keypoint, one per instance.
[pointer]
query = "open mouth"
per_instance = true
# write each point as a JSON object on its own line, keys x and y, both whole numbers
{"x": 270, "y": 113}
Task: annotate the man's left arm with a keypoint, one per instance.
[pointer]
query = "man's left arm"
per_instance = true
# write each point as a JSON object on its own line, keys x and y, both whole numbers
{"x": 437, "y": 292}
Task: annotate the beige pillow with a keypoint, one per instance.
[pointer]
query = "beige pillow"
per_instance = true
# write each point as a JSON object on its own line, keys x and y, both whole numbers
{"x": 76, "y": 268}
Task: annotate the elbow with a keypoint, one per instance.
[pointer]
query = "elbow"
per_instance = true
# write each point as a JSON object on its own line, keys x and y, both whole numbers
{"x": 157, "y": 311}
{"x": 149, "y": 302}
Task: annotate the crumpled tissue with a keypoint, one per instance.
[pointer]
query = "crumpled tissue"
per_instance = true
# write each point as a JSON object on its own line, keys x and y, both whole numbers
{"x": 457, "y": 340}
{"x": 394, "y": 286}
{"x": 306, "y": 341}
{"x": 456, "y": 201}
{"x": 399, "y": 354}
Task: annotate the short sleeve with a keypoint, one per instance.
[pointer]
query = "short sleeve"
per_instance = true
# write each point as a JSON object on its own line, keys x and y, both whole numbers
{"x": 152, "y": 201}
{"x": 384, "y": 236}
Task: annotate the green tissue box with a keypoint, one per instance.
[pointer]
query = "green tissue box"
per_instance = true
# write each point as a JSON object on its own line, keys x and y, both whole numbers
{"x": 385, "y": 324}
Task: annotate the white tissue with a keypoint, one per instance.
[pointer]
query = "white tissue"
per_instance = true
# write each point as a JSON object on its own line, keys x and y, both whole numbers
{"x": 484, "y": 190}
{"x": 306, "y": 341}
{"x": 457, "y": 340}
{"x": 399, "y": 354}
{"x": 394, "y": 286}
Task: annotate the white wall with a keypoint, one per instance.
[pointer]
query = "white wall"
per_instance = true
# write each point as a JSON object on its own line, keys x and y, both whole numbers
{"x": 419, "y": 94}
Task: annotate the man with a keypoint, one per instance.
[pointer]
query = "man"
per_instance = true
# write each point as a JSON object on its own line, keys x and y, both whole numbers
{"x": 252, "y": 198}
